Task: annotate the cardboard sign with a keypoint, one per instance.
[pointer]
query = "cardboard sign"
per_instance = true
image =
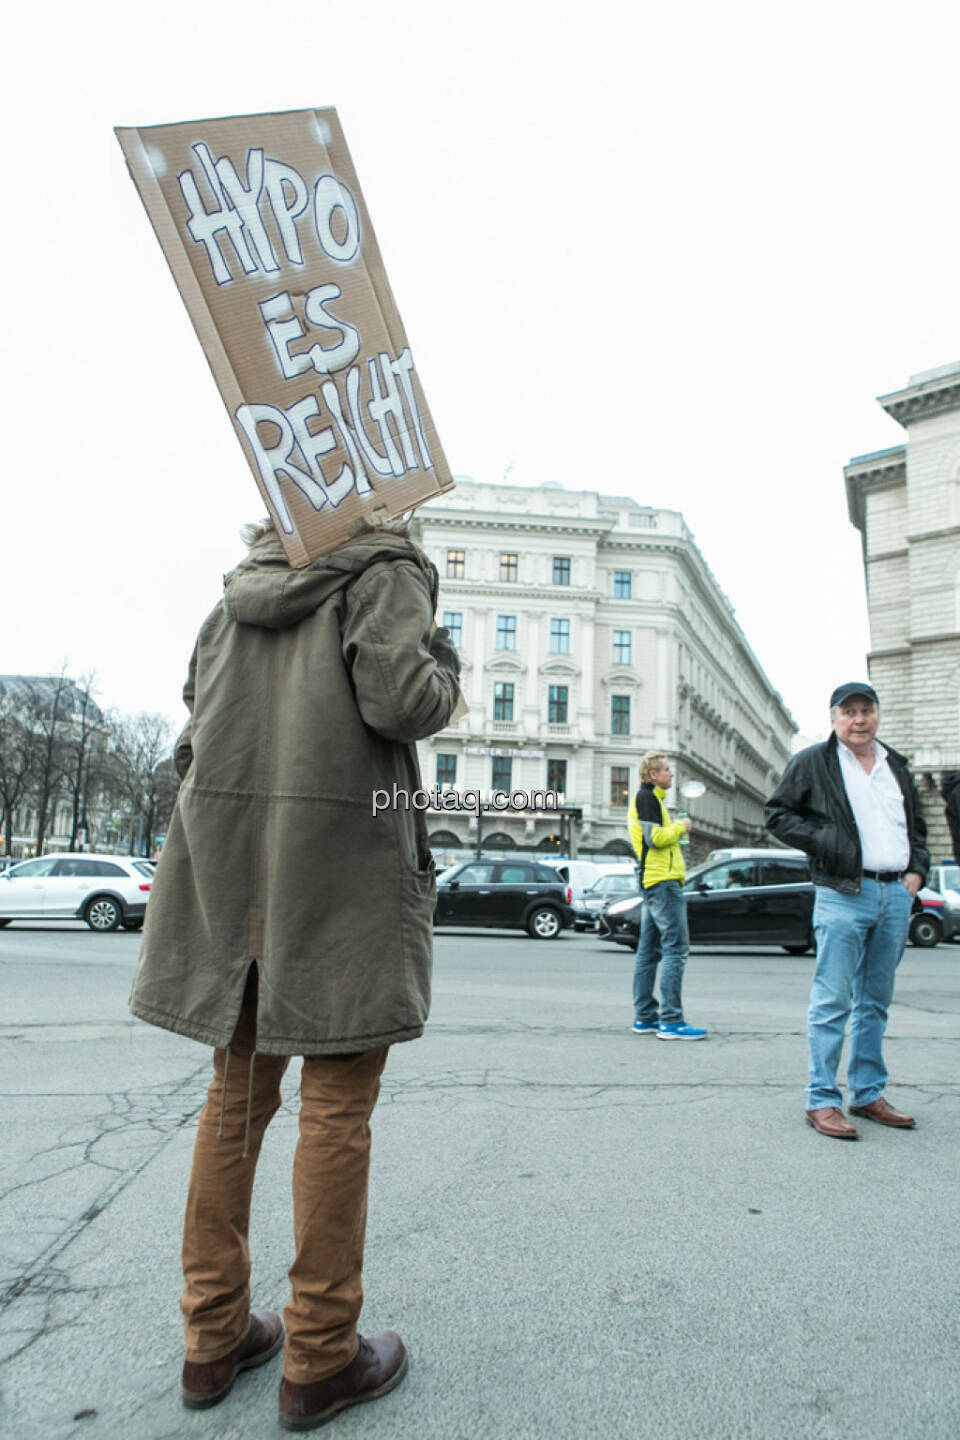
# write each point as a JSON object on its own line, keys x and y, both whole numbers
{"x": 264, "y": 226}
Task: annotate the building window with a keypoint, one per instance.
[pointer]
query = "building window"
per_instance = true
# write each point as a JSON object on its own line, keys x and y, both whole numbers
{"x": 560, "y": 637}
{"x": 619, "y": 785}
{"x": 502, "y": 777}
{"x": 453, "y": 621}
{"x": 620, "y": 715}
{"x": 557, "y": 708}
{"x": 506, "y": 632}
{"x": 508, "y": 567}
{"x": 561, "y": 569}
{"x": 621, "y": 647}
{"x": 456, "y": 566}
{"x": 557, "y": 776}
{"x": 621, "y": 584}
{"x": 446, "y": 770}
{"x": 502, "y": 700}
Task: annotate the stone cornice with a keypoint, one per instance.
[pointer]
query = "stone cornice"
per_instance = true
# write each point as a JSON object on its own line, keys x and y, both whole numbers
{"x": 867, "y": 474}
{"x": 620, "y": 675}
{"x": 515, "y": 590}
{"x": 558, "y": 665}
{"x": 474, "y": 520}
{"x": 900, "y": 554}
{"x": 941, "y": 533}
{"x": 934, "y": 395}
{"x": 939, "y": 639}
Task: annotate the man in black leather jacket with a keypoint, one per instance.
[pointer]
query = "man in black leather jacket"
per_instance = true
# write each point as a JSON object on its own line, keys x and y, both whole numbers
{"x": 851, "y": 804}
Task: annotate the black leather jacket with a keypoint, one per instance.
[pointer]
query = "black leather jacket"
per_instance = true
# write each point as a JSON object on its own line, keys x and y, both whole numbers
{"x": 950, "y": 790}
{"x": 810, "y": 810}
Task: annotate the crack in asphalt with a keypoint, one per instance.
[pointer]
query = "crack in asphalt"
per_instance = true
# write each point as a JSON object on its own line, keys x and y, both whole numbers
{"x": 126, "y": 1114}
{"x": 158, "y": 1113}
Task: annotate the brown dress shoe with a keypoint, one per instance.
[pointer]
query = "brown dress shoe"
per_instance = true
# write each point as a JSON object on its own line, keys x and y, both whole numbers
{"x": 209, "y": 1382}
{"x": 378, "y": 1366}
{"x": 831, "y": 1121}
{"x": 884, "y": 1114}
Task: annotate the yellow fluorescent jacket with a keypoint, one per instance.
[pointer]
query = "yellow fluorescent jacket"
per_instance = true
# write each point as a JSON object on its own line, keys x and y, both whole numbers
{"x": 655, "y": 837}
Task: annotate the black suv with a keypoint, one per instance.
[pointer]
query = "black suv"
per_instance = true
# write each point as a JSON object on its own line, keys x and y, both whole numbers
{"x": 504, "y": 894}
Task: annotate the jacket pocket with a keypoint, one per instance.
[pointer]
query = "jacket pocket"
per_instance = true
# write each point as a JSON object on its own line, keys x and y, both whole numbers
{"x": 418, "y": 901}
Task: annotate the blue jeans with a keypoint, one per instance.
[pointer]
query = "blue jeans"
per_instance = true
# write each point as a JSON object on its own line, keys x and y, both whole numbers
{"x": 860, "y": 939}
{"x": 663, "y": 938}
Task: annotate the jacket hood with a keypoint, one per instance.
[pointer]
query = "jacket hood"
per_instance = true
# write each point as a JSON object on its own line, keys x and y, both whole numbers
{"x": 266, "y": 590}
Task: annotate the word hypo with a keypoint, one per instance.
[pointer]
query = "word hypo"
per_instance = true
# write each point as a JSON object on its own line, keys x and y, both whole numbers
{"x": 371, "y": 411}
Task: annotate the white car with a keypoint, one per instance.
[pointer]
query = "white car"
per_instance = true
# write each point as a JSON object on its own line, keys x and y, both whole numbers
{"x": 104, "y": 890}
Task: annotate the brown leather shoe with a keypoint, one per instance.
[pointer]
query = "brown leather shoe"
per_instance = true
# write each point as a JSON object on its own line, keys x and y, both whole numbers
{"x": 210, "y": 1382}
{"x": 831, "y": 1121}
{"x": 378, "y": 1366}
{"x": 883, "y": 1112}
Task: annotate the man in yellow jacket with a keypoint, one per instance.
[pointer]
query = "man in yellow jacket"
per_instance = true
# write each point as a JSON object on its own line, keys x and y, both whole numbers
{"x": 663, "y": 930}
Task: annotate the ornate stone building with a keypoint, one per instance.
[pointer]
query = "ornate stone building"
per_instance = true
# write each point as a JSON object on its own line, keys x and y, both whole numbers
{"x": 905, "y": 501}
{"x": 591, "y": 630}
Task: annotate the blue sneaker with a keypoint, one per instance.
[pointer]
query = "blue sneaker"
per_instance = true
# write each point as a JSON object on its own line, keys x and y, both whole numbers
{"x": 644, "y": 1027}
{"x": 680, "y": 1032}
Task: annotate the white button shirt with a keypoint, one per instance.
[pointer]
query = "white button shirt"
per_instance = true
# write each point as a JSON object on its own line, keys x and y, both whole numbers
{"x": 877, "y": 804}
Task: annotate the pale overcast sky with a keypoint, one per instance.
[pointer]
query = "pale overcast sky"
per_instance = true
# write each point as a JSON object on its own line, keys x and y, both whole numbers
{"x": 669, "y": 252}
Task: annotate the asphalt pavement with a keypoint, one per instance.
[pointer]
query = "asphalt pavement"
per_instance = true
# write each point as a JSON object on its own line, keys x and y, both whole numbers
{"x": 579, "y": 1232}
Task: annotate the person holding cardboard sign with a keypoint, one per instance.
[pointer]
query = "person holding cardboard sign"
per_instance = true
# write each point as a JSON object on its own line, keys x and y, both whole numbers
{"x": 287, "y": 919}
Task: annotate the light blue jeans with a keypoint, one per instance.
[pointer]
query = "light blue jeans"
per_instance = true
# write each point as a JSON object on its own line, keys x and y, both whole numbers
{"x": 860, "y": 939}
{"x": 664, "y": 939}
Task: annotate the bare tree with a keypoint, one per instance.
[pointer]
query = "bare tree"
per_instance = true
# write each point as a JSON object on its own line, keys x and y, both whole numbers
{"x": 82, "y": 755}
{"x": 49, "y": 705}
{"x": 18, "y": 755}
{"x": 140, "y": 745}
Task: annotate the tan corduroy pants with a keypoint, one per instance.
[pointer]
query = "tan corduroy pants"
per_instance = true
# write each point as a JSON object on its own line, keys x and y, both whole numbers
{"x": 330, "y": 1173}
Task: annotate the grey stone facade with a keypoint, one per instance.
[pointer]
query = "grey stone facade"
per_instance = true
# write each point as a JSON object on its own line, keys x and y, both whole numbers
{"x": 602, "y": 623}
{"x": 905, "y": 501}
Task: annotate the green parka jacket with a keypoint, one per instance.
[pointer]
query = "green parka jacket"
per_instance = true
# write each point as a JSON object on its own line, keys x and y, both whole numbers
{"x": 307, "y": 689}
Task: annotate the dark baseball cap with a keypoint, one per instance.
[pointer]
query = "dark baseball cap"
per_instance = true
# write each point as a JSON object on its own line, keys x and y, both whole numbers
{"x": 856, "y": 687}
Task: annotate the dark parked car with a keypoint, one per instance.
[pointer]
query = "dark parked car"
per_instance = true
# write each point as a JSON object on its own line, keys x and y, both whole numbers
{"x": 600, "y": 894}
{"x": 765, "y": 897}
{"x": 504, "y": 894}
{"x": 752, "y": 897}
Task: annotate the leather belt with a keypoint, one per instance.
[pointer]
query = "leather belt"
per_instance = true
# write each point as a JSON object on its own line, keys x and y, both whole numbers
{"x": 886, "y": 877}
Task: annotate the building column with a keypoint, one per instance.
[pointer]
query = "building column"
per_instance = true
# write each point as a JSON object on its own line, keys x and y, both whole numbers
{"x": 586, "y": 699}
{"x": 479, "y": 667}
{"x": 531, "y": 699}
